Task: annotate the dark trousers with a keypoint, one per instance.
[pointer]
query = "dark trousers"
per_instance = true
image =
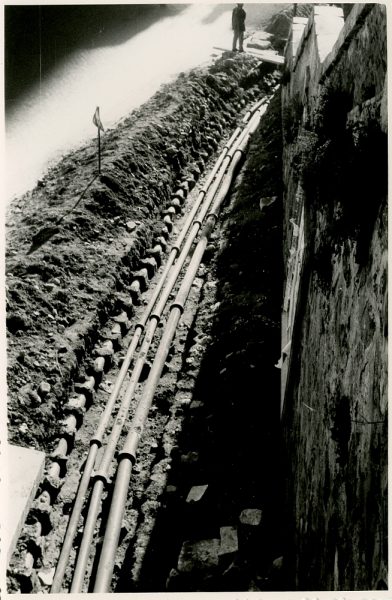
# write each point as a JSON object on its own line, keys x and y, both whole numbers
{"x": 238, "y": 35}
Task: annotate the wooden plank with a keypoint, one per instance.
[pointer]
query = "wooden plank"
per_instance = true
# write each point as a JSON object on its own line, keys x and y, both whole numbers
{"x": 275, "y": 59}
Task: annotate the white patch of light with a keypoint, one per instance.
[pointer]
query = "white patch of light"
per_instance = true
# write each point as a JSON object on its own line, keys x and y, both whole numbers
{"x": 57, "y": 116}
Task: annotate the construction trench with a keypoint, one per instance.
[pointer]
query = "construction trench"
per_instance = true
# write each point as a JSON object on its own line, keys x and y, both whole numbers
{"x": 174, "y": 357}
{"x": 197, "y": 334}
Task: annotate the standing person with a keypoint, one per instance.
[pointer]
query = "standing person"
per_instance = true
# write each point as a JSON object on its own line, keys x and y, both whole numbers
{"x": 238, "y": 23}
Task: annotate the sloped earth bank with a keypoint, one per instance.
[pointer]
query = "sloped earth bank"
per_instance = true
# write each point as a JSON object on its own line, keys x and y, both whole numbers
{"x": 61, "y": 293}
{"x": 69, "y": 295}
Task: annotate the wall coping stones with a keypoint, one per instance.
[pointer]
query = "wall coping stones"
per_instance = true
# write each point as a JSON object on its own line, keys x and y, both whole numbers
{"x": 352, "y": 24}
{"x": 327, "y": 22}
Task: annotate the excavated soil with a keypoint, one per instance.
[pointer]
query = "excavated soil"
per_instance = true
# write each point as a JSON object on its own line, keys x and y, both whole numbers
{"x": 59, "y": 293}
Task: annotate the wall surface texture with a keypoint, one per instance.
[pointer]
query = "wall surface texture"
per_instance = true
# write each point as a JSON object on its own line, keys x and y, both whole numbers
{"x": 334, "y": 368}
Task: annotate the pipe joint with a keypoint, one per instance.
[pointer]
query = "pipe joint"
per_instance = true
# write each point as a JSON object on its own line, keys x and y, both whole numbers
{"x": 129, "y": 449}
{"x": 96, "y": 439}
{"x": 100, "y": 475}
{"x": 178, "y": 305}
{"x": 122, "y": 455}
{"x": 141, "y": 324}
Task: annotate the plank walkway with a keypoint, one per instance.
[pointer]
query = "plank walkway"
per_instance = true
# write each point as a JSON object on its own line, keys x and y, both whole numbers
{"x": 264, "y": 55}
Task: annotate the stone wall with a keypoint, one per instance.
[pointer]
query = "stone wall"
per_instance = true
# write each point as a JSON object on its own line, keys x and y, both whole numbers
{"x": 334, "y": 367}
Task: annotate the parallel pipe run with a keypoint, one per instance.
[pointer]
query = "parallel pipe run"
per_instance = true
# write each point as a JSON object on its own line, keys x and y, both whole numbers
{"x": 95, "y": 444}
{"x": 96, "y": 441}
{"x": 101, "y": 476}
{"x": 252, "y": 110}
{"x": 127, "y": 456}
{"x": 208, "y": 194}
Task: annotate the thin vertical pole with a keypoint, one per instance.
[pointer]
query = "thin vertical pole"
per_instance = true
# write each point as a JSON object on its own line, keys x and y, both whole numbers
{"x": 99, "y": 150}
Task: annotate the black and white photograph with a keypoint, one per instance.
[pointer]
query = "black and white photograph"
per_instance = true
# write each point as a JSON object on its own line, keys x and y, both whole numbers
{"x": 195, "y": 300}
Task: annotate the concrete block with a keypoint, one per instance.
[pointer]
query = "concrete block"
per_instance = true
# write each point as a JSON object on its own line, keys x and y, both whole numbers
{"x": 25, "y": 471}
{"x": 77, "y": 402}
{"x": 184, "y": 186}
{"x": 156, "y": 253}
{"x": 142, "y": 277}
{"x": 170, "y": 211}
{"x": 135, "y": 290}
{"x": 195, "y": 171}
{"x": 54, "y": 470}
{"x": 116, "y": 332}
{"x": 200, "y": 164}
{"x": 106, "y": 350}
{"x": 162, "y": 241}
{"x": 168, "y": 222}
{"x": 199, "y": 556}
{"x": 61, "y": 448}
{"x": 196, "y": 493}
{"x": 165, "y": 231}
{"x": 99, "y": 364}
{"x": 70, "y": 425}
{"x": 86, "y": 388}
{"x": 251, "y": 516}
{"x": 191, "y": 181}
{"x": 181, "y": 191}
{"x": 125, "y": 323}
{"x": 176, "y": 204}
{"x": 150, "y": 264}
{"x": 229, "y": 540}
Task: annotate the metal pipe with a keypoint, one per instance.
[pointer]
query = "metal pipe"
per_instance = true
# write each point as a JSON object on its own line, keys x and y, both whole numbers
{"x": 106, "y": 562}
{"x": 97, "y": 439}
{"x": 74, "y": 520}
{"x": 95, "y": 444}
{"x": 252, "y": 110}
{"x": 113, "y": 527}
{"x": 84, "y": 550}
{"x": 128, "y": 454}
{"x": 155, "y": 316}
{"x": 121, "y": 416}
{"x": 101, "y": 476}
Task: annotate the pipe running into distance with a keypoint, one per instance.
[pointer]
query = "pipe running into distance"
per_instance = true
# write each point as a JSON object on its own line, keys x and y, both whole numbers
{"x": 127, "y": 456}
{"x": 102, "y": 475}
{"x": 96, "y": 440}
{"x": 205, "y": 198}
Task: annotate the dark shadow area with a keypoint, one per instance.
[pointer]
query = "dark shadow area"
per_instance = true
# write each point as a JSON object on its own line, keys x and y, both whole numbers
{"x": 39, "y": 38}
